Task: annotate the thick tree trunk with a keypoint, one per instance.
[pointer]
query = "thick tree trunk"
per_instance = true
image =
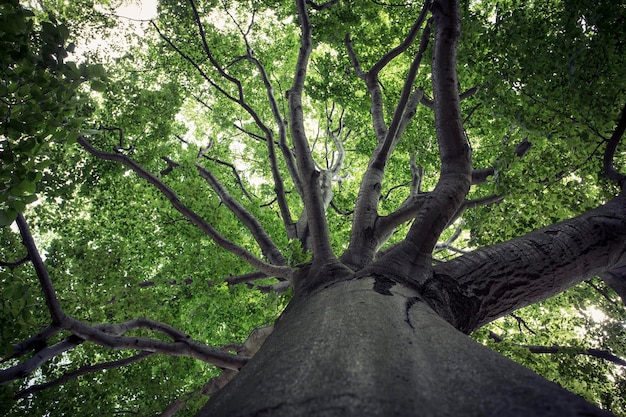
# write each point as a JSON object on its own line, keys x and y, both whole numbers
{"x": 364, "y": 347}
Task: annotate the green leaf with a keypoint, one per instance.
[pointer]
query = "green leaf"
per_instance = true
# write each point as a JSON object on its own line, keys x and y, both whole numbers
{"x": 98, "y": 85}
{"x": 7, "y": 216}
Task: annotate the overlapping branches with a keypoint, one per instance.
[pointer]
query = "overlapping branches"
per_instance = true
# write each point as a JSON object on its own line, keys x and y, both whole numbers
{"x": 240, "y": 100}
{"x": 268, "y": 247}
{"x": 108, "y": 335}
{"x": 313, "y": 202}
{"x": 443, "y": 203}
{"x": 193, "y": 217}
{"x": 361, "y": 250}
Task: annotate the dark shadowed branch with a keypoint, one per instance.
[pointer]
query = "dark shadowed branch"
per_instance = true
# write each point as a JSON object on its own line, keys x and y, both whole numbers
{"x": 479, "y": 176}
{"x": 52, "y": 302}
{"x": 82, "y": 371}
{"x": 15, "y": 264}
{"x": 609, "y": 154}
{"x": 595, "y": 353}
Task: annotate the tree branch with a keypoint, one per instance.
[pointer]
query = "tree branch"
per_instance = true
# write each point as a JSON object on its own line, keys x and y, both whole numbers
{"x": 36, "y": 342}
{"x": 499, "y": 279}
{"x": 361, "y": 249}
{"x": 595, "y": 353}
{"x": 193, "y": 217}
{"x": 290, "y": 162}
{"x": 209, "y": 55}
{"x": 14, "y": 264}
{"x": 406, "y": 43}
{"x": 455, "y": 155}
{"x": 24, "y": 369}
{"x": 194, "y": 64}
{"x": 107, "y": 335}
{"x": 479, "y": 176}
{"x": 235, "y": 173}
{"x": 82, "y": 371}
{"x": 54, "y": 307}
{"x": 322, "y": 250}
{"x": 238, "y": 279}
{"x": 609, "y": 170}
{"x": 268, "y": 247}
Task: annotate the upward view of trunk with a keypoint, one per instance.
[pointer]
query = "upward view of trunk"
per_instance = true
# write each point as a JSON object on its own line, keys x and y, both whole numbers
{"x": 376, "y": 326}
{"x": 372, "y": 344}
{"x": 363, "y": 348}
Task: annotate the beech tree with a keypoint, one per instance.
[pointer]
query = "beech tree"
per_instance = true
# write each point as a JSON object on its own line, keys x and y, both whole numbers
{"x": 303, "y": 208}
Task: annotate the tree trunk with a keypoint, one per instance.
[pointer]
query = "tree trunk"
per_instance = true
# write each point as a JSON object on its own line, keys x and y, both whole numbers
{"x": 362, "y": 347}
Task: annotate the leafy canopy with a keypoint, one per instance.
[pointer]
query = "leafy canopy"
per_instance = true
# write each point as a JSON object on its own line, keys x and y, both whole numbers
{"x": 547, "y": 72}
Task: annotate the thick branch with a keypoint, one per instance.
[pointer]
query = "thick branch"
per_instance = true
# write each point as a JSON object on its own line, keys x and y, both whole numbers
{"x": 313, "y": 203}
{"x": 497, "y": 280}
{"x": 479, "y": 176}
{"x": 609, "y": 170}
{"x": 42, "y": 273}
{"x": 24, "y": 369}
{"x": 454, "y": 151}
{"x": 36, "y": 342}
{"x": 193, "y": 217}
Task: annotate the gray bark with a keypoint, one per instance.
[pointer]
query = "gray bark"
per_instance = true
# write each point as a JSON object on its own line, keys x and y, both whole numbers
{"x": 366, "y": 347}
{"x": 499, "y": 279}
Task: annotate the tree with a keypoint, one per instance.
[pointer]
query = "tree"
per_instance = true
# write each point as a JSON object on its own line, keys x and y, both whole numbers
{"x": 377, "y": 177}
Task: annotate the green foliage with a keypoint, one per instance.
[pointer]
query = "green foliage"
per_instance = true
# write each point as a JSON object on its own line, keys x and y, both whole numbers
{"x": 549, "y": 72}
{"x": 42, "y": 104}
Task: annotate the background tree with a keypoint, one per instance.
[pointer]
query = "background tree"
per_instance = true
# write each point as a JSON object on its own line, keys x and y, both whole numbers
{"x": 344, "y": 158}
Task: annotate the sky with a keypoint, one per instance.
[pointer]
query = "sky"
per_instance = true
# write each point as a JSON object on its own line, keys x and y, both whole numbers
{"x": 139, "y": 9}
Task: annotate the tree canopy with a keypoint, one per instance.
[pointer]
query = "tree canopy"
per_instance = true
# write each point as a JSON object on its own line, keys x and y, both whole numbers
{"x": 161, "y": 181}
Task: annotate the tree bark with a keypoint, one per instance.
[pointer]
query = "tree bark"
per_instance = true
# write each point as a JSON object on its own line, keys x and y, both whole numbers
{"x": 363, "y": 347}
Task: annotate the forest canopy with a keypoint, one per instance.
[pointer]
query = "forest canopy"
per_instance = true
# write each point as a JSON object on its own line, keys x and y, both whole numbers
{"x": 154, "y": 165}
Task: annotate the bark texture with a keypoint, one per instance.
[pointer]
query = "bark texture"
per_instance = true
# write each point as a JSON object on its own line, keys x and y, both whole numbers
{"x": 366, "y": 347}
